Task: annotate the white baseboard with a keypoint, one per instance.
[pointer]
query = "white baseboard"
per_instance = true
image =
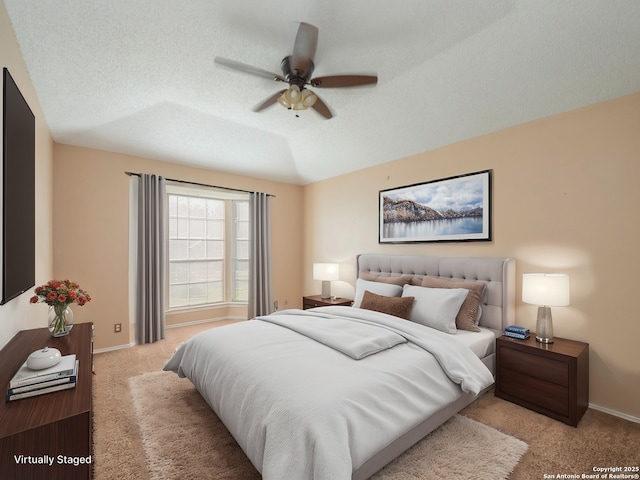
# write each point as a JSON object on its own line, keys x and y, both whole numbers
{"x": 186, "y": 324}
{"x": 111, "y": 349}
{"x": 206, "y": 320}
{"x": 615, "y": 413}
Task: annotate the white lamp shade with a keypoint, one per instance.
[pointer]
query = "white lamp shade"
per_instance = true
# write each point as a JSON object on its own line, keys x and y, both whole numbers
{"x": 546, "y": 289}
{"x": 326, "y": 271}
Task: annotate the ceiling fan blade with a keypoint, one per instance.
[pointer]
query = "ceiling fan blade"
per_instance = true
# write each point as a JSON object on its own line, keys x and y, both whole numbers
{"x": 269, "y": 101}
{"x": 304, "y": 47}
{"x": 322, "y": 109}
{"x": 337, "y": 81}
{"x": 248, "y": 69}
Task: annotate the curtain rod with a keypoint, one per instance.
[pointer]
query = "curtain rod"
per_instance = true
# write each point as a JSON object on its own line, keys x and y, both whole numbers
{"x": 200, "y": 184}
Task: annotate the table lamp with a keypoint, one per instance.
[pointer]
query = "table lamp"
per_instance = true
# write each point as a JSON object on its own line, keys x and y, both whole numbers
{"x": 326, "y": 272}
{"x": 545, "y": 290}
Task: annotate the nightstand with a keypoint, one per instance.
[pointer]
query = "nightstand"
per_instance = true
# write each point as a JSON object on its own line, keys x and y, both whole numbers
{"x": 312, "y": 301}
{"x": 552, "y": 379}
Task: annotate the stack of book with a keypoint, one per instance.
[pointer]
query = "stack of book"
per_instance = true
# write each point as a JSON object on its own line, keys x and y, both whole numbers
{"x": 29, "y": 383}
{"x": 515, "y": 331}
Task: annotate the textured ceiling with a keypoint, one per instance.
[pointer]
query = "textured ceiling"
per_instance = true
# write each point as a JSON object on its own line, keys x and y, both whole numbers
{"x": 138, "y": 77}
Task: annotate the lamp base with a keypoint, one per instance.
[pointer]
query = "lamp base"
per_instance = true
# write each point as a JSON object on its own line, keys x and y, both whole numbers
{"x": 326, "y": 289}
{"x": 544, "y": 325}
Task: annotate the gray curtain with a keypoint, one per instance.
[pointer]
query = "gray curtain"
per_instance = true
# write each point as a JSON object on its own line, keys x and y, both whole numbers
{"x": 151, "y": 257}
{"x": 260, "y": 254}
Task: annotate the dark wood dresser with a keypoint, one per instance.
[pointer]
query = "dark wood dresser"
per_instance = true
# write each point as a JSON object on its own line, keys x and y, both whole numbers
{"x": 58, "y": 424}
{"x": 552, "y": 379}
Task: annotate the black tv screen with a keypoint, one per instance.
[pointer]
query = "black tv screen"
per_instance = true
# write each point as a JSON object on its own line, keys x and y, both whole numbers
{"x": 18, "y": 192}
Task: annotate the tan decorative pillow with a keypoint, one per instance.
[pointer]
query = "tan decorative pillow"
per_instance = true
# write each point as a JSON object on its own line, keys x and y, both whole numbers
{"x": 373, "y": 277}
{"x": 468, "y": 314}
{"x": 396, "y": 306}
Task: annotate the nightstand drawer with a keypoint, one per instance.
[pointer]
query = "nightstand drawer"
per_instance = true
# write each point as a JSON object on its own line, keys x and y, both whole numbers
{"x": 535, "y": 366}
{"x": 312, "y": 304}
{"x": 312, "y": 301}
{"x": 534, "y": 391}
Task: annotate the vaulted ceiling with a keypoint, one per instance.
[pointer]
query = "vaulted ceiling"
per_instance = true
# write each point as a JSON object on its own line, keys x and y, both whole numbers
{"x": 138, "y": 77}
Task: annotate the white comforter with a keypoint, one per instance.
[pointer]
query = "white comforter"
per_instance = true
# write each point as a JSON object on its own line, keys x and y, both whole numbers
{"x": 304, "y": 408}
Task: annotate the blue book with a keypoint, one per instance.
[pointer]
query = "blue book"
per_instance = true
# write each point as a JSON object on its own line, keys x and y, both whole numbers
{"x": 516, "y": 329}
{"x": 521, "y": 336}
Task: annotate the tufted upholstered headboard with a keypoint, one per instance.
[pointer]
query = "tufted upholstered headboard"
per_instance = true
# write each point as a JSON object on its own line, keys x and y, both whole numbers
{"x": 498, "y": 302}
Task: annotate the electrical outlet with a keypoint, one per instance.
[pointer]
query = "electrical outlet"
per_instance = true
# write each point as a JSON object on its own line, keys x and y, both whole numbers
{"x": 117, "y": 328}
{"x": 275, "y": 305}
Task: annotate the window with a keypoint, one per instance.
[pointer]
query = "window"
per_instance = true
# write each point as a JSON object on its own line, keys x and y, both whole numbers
{"x": 208, "y": 247}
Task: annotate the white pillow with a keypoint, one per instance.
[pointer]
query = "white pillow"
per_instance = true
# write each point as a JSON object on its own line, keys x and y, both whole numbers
{"x": 379, "y": 288}
{"x": 435, "y": 307}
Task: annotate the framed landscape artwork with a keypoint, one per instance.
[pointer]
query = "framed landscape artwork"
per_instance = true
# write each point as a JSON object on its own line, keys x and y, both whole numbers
{"x": 454, "y": 209}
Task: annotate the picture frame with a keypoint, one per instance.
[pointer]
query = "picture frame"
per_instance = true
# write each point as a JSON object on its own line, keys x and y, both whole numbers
{"x": 453, "y": 209}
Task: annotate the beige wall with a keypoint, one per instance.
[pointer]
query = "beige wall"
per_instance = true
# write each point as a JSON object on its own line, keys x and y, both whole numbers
{"x": 91, "y": 235}
{"x": 566, "y": 195}
{"x": 18, "y": 314}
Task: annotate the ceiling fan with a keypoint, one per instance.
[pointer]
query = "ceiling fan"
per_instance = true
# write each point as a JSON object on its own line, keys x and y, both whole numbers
{"x": 296, "y": 71}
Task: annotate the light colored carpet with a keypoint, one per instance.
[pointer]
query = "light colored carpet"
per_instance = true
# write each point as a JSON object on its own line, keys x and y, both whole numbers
{"x": 183, "y": 438}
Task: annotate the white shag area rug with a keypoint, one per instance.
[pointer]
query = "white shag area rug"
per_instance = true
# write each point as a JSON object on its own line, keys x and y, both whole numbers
{"x": 183, "y": 438}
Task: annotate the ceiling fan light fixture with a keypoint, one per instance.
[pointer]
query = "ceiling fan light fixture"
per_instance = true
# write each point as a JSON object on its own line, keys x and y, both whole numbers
{"x": 308, "y": 98}
{"x": 296, "y": 99}
{"x": 293, "y": 95}
{"x": 282, "y": 100}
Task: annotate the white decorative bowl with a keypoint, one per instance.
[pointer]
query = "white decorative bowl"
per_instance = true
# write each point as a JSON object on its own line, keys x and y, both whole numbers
{"x": 45, "y": 358}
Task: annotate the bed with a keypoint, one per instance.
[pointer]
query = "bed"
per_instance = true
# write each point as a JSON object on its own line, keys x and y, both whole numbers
{"x": 338, "y": 392}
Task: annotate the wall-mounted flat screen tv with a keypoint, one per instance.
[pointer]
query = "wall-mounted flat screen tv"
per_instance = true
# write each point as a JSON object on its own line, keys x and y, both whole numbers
{"x": 18, "y": 192}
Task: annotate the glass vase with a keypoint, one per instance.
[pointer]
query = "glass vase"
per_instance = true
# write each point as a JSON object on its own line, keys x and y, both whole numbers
{"x": 60, "y": 320}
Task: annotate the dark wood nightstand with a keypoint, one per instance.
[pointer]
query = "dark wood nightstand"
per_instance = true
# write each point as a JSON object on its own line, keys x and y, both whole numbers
{"x": 312, "y": 301}
{"x": 552, "y": 379}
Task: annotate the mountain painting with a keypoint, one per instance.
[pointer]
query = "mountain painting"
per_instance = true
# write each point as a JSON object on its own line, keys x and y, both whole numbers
{"x": 451, "y": 209}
